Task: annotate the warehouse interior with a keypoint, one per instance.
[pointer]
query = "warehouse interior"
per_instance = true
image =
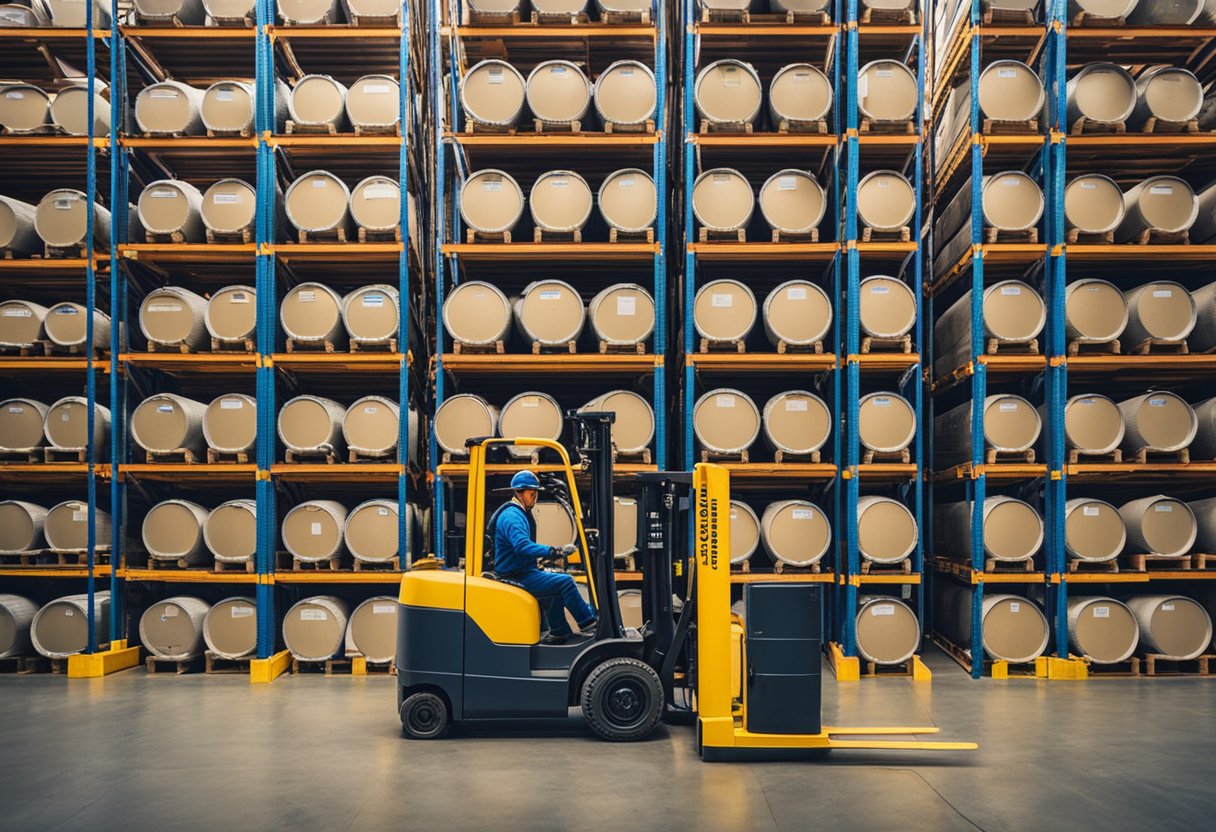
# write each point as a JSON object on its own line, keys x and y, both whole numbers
{"x": 919, "y": 293}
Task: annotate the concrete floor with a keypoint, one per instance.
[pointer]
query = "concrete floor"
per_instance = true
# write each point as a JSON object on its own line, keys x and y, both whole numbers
{"x": 138, "y": 752}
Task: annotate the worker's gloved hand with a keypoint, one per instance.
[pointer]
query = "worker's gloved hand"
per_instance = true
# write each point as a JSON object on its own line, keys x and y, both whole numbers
{"x": 567, "y": 550}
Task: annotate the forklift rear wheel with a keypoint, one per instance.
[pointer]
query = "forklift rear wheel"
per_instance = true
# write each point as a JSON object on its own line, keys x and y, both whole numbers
{"x": 424, "y": 716}
{"x": 622, "y": 700}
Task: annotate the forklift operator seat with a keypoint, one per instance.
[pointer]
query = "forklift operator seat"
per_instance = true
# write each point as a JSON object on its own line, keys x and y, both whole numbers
{"x": 506, "y": 612}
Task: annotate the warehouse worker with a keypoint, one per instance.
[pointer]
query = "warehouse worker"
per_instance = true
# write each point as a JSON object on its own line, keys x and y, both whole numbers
{"x": 516, "y": 552}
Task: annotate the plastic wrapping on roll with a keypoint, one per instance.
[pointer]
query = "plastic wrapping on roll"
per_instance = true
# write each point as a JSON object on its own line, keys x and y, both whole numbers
{"x": 1159, "y": 526}
{"x": 60, "y": 629}
{"x": 313, "y": 531}
{"x": 173, "y": 531}
{"x": 1159, "y": 422}
{"x": 170, "y": 12}
{"x": 315, "y": 629}
{"x": 1013, "y": 529}
{"x": 172, "y": 316}
{"x": 170, "y": 108}
{"x": 17, "y": 613}
{"x": 18, "y": 233}
{"x": 21, "y": 527}
{"x": 166, "y": 422}
{"x": 22, "y": 424}
{"x": 172, "y": 629}
{"x": 230, "y": 628}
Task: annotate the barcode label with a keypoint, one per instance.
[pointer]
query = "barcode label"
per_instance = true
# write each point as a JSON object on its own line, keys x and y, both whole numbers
{"x": 1007, "y": 407}
{"x": 803, "y": 514}
{"x": 225, "y": 199}
{"x": 625, "y": 181}
{"x": 721, "y": 300}
{"x": 164, "y": 94}
{"x": 1162, "y": 190}
{"x": 1006, "y": 73}
{"x": 881, "y": 401}
{"x": 880, "y": 290}
{"x": 1166, "y": 507}
{"x": 380, "y": 192}
{"x": 1156, "y": 402}
{"x": 164, "y": 307}
{"x": 319, "y": 183}
{"x": 882, "y": 609}
{"x": 373, "y": 300}
{"x": 724, "y": 401}
{"x": 1167, "y": 607}
{"x": 1011, "y": 290}
{"x": 1163, "y": 293}
{"x": 224, "y": 95}
{"x": 315, "y": 528}
{"x": 1101, "y": 612}
{"x": 795, "y": 293}
{"x": 383, "y": 609}
{"x": 164, "y": 408}
{"x": 796, "y": 405}
{"x": 242, "y": 612}
{"x": 787, "y": 183}
{"x": 306, "y": 295}
{"x": 16, "y": 313}
{"x": 550, "y": 294}
{"x": 1015, "y": 606}
{"x": 1090, "y": 511}
{"x": 238, "y": 297}
{"x": 377, "y": 89}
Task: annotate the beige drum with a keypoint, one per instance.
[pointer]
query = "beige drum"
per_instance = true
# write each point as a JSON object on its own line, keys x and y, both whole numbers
{"x": 312, "y": 312}
{"x": 1171, "y": 95}
{"x": 628, "y": 200}
{"x": 795, "y": 532}
{"x": 61, "y": 628}
{"x": 797, "y": 313}
{"x": 624, "y": 526}
{"x": 231, "y": 532}
{"x": 1012, "y": 201}
{"x": 1010, "y": 91}
{"x": 633, "y": 429}
{"x": 1013, "y": 530}
{"x": 230, "y": 629}
{"x": 21, "y": 323}
{"x": 886, "y": 91}
{"x": 1093, "y": 424}
{"x": 1093, "y": 204}
{"x": 66, "y": 527}
{"x": 14, "y": 16}
{"x": 887, "y": 630}
{"x": 887, "y": 308}
{"x": 315, "y": 628}
{"x": 371, "y": 315}
{"x": 886, "y": 530}
{"x": 21, "y": 526}
{"x": 1014, "y": 628}
{"x": 67, "y": 426}
{"x": 632, "y": 614}
{"x": 550, "y": 313}
{"x": 491, "y": 202}
{"x": 372, "y": 426}
{"x": 169, "y": 108}
{"x": 622, "y": 315}
{"x": 724, "y": 310}
{"x": 1102, "y": 9}
{"x": 228, "y": 107}
{"x": 318, "y": 101}
{"x": 374, "y": 101}
{"x": 1095, "y": 311}
{"x": 722, "y": 200}
{"x": 61, "y": 220}
{"x": 172, "y": 317}
{"x": 1102, "y": 629}
{"x": 17, "y": 232}
{"x": 1158, "y": 422}
{"x": 319, "y": 202}
{"x": 1160, "y": 203}
{"x": 477, "y": 314}
{"x": 173, "y": 530}
{"x": 799, "y": 93}
{"x": 625, "y": 94}
{"x": 172, "y": 629}
{"x": 492, "y": 93}
{"x": 560, "y": 201}
{"x": 1093, "y": 530}
{"x": 792, "y": 202}
{"x": 726, "y": 421}
{"x": 797, "y": 422}
{"x": 886, "y": 422}
{"x": 532, "y": 414}
{"x": 21, "y": 425}
{"x": 462, "y": 417}
{"x": 728, "y": 92}
{"x": 554, "y": 524}
{"x": 232, "y": 314}
{"x": 744, "y": 532}
{"x": 1161, "y": 311}
{"x": 24, "y": 108}
{"x": 230, "y": 207}
{"x": 372, "y": 530}
{"x": 166, "y": 422}
{"x": 372, "y": 630}
{"x": 1010, "y": 423}
{"x": 1101, "y": 93}
{"x": 1172, "y": 626}
{"x": 375, "y": 206}
{"x": 70, "y": 109}
{"x": 562, "y": 11}
{"x": 1159, "y": 525}
{"x": 886, "y": 200}
{"x": 312, "y": 531}
{"x": 558, "y": 92}
{"x": 311, "y": 424}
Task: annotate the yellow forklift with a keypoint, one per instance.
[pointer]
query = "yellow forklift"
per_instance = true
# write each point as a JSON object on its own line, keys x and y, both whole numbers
{"x": 469, "y": 643}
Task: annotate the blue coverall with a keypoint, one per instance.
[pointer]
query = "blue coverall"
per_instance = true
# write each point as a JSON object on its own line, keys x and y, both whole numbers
{"x": 515, "y": 554}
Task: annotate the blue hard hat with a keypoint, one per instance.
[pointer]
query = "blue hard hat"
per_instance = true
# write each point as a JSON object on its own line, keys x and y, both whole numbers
{"x": 523, "y": 480}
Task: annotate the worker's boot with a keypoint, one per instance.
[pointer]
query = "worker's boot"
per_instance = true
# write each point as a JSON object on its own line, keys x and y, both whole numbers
{"x": 552, "y": 639}
{"x": 588, "y": 629}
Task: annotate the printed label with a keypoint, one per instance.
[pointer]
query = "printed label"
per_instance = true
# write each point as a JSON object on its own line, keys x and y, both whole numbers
{"x": 238, "y": 297}
{"x": 885, "y": 73}
{"x": 1167, "y": 607}
{"x": 881, "y": 401}
{"x": 1087, "y": 185}
{"x": 803, "y": 514}
{"x": 1163, "y": 190}
{"x": 721, "y": 178}
{"x": 1088, "y": 402}
{"x": 550, "y": 294}
{"x": 625, "y": 181}
{"x": 377, "y": 89}
{"x": 626, "y": 305}
{"x": 882, "y": 183}
{"x": 491, "y": 185}
{"x": 372, "y": 410}
{"x": 796, "y": 293}
{"x": 1101, "y": 612}
{"x": 1011, "y": 290}
{"x": 626, "y": 71}
{"x": 530, "y": 401}
{"x": 373, "y": 300}
{"x": 796, "y": 405}
{"x": 69, "y": 613}
{"x": 224, "y": 95}
{"x": 164, "y": 408}
{"x": 380, "y": 192}
{"x": 1011, "y": 181}
{"x": 164, "y": 193}
{"x": 494, "y": 74}
{"x": 164, "y": 307}
{"x": 16, "y": 312}
{"x": 319, "y": 183}
{"x": 801, "y": 77}
{"x": 724, "y": 401}
{"x": 314, "y": 615}
{"x": 787, "y": 183}
{"x": 1090, "y": 511}
{"x": 383, "y": 609}
{"x": 64, "y": 203}
{"x": 315, "y": 528}
{"x": 882, "y": 609}
{"x": 558, "y": 181}
{"x": 1006, "y": 73}
{"x": 17, "y": 409}
{"x": 231, "y": 404}
{"x": 243, "y": 612}
{"x": 169, "y": 612}
{"x": 382, "y": 512}
{"x": 164, "y": 94}
{"x": 1156, "y": 402}
{"x": 15, "y": 96}
{"x": 1015, "y": 606}
{"x": 557, "y": 70}
{"x": 225, "y": 199}
{"x": 80, "y": 516}
{"x": 1007, "y": 407}
{"x": 1166, "y": 507}
{"x": 880, "y": 290}
{"x": 731, "y": 77}
{"x": 1163, "y": 293}
{"x": 721, "y": 301}
{"x": 306, "y": 296}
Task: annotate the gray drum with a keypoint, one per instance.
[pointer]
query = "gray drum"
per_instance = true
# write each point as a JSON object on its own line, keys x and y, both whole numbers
{"x": 170, "y": 12}
{"x": 312, "y": 531}
{"x": 21, "y": 323}
{"x": 1093, "y": 530}
{"x": 174, "y": 317}
{"x": 371, "y": 314}
{"x": 795, "y": 532}
{"x": 232, "y": 314}
{"x": 172, "y": 629}
{"x": 17, "y": 232}
{"x": 374, "y": 101}
{"x": 633, "y": 430}
{"x": 1203, "y": 337}
{"x": 554, "y": 524}
{"x": 549, "y": 313}
{"x": 67, "y": 325}
{"x": 886, "y": 530}
{"x": 312, "y": 424}
{"x": 312, "y": 312}
{"x": 21, "y": 526}
{"x": 67, "y": 426}
{"x": 1172, "y": 626}
{"x": 1013, "y": 313}
{"x": 314, "y": 629}
{"x": 375, "y": 206}
{"x": 1204, "y": 444}
{"x": 1101, "y": 93}
{"x": 230, "y": 423}
{"x": 228, "y": 108}
{"x": 1160, "y": 311}
{"x": 492, "y": 93}
{"x": 722, "y": 200}
{"x": 166, "y": 422}
{"x": 887, "y": 91}
{"x": 1205, "y": 519}
{"x": 1159, "y": 526}
{"x": 724, "y": 310}
{"x": 231, "y": 532}
{"x": 230, "y": 629}
{"x": 61, "y": 628}
{"x": 1010, "y": 91}
{"x": 21, "y": 425}
{"x": 319, "y": 202}
{"x": 532, "y": 414}
{"x": 744, "y": 532}
{"x": 797, "y": 313}
{"x": 792, "y": 202}
{"x": 16, "y": 16}
{"x": 886, "y": 201}
{"x": 72, "y": 14}
{"x": 886, "y": 422}
{"x": 491, "y": 202}
{"x": 462, "y": 417}
{"x": 1095, "y": 311}
{"x": 372, "y": 426}
{"x": 1102, "y": 630}
{"x": 622, "y": 315}
{"x": 371, "y": 531}
{"x": 887, "y": 308}
{"x": 16, "y": 614}
{"x": 797, "y": 422}
{"x": 66, "y": 527}
{"x": 728, "y": 92}
{"x": 1102, "y": 10}
{"x": 1093, "y": 424}
{"x": 1166, "y": 12}
{"x": 24, "y": 108}
{"x": 625, "y": 94}
{"x": 1011, "y": 425}
{"x": 887, "y": 630}
{"x": 170, "y": 108}
{"x": 726, "y": 421}
{"x": 565, "y": 11}
{"x": 1012, "y": 529}
{"x": 372, "y": 630}
{"x": 1158, "y": 422}
{"x": 1093, "y": 204}
{"x": 558, "y": 92}
{"x": 476, "y": 313}
{"x": 1171, "y": 95}
{"x": 799, "y": 93}
{"x": 560, "y": 201}
{"x": 1164, "y": 204}
{"x": 173, "y": 531}
{"x": 628, "y": 200}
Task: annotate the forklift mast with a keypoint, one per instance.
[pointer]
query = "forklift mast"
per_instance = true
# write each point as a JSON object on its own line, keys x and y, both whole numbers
{"x": 593, "y": 442}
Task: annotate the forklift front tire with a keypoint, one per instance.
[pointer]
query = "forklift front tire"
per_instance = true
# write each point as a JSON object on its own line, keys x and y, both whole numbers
{"x": 424, "y": 716}
{"x": 622, "y": 700}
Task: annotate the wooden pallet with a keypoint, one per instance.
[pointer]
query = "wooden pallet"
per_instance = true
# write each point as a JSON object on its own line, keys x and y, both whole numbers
{"x": 215, "y": 457}
{"x": 999, "y": 346}
{"x": 377, "y": 566}
{"x": 31, "y": 350}
{"x": 171, "y": 349}
{"x": 541, "y": 127}
{"x": 321, "y": 345}
{"x": 247, "y": 567}
{"x": 1156, "y": 237}
{"x": 887, "y": 128}
{"x": 903, "y": 457}
{"x": 377, "y": 235}
{"x": 42, "y": 664}
{"x": 786, "y": 348}
{"x": 709, "y": 345}
{"x": 181, "y": 564}
{"x": 995, "y": 457}
{"x": 1203, "y": 561}
{"x": 567, "y": 347}
{"x": 80, "y": 558}
{"x": 1077, "y": 566}
{"x": 1156, "y": 664}
{"x": 11, "y": 664}
{"x": 65, "y": 252}
{"x": 34, "y": 557}
{"x": 640, "y": 128}
{"x": 1001, "y": 127}
{"x": 172, "y": 238}
{"x": 497, "y": 348}
{"x": 333, "y": 235}
{"x": 1144, "y": 456}
{"x": 469, "y": 17}
{"x": 622, "y": 349}
{"x": 789, "y": 457}
{"x": 1152, "y": 563}
{"x": 219, "y": 665}
{"x": 992, "y": 566}
{"x": 781, "y": 568}
{"x": 241, "y": 346}
{"x": 1086, "y": 19}
{"x": 817, "y": 127}
{"x": 642, "y": 457}
{"x": 616, "y": 235}
{"x": 473, "y": 236}
{"x": 1076, "y": 235}
{"x": 330, "y": 667}
{"x": 180, "y": 456}
{"x": 869, "y": 668}
{"x": 1084, "y": 346}
{"x": 360, "y": 666}
{"x": 293, "y": 128}
{"x": 244, "y": 132}
{"x": 576, "y": 19}
{"x": 244, "y": 236}
{"x": 1025, "y": 670}
{"x": 155, "y": 664}
{"x": 741, "y": 127}
{"x": 326, "y": 457}
{"x": 331, "y": 565}
{"x": 368, "y": 457}
{"x": 780, "y": 236}
{"x": 905, "y": 16}
{"x": 1156, "y": 125}
{"x": 474, "y": 127}
{"x": 1027, "y": 236}
{"x": 51, "y": 349}
{"x": 904, "y": 567}
{"x": 1085, "y": 127}
{"x": 711, "y": 235}
{"x": 387, "y": 346}
{"x": 1156, "y": 346}
{"x": 886, "y": 235}
{"x": 32, "y": 456}
{"x": 874, "y": 344}
{"x": 1129, "y": 667}
{"x": 740, "y": 457}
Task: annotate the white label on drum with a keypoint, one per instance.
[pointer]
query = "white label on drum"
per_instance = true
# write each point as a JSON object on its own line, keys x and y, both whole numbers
{"x": 559, "y": 182}
{"x": 373, "y": 300}
{"x": 721, "y": 300}
{"x": 1015, "y": 606}
{"x": 169, "y": 612}
{"x": 530, "y": 401}
{"x": 801, "y": 77}
{"x": 1007, "y": 407}
{"x": 731, "y": 76}
{"x": 1088, "y": 402}
{"x": 1156, "y": 402}
{"x": 238, "y": 297}
{"x": 17, "y": 312}
{"x": 243, "y": 612}
{"x": 885, "y": 73}
{"x": 231, "y": 404}
{"x": 66, "y": 417}
{"x": 491, "y": 185}
{"x": 64, "y": 204}
{"x": 225, "y": 199}
{"x": 627, "y": 305}
{"x": 382, "y": 512}
{"x": 880, "y": 290}
{"x": 882, "y": 183}
{"x": 1011, "y": 290}
{"x": 15, "y": 96}
{"x": 69, "y": 613}
{"x": 1091, "y": 511}
{"x": 319, "y": 183}
{"x": 1163, "y": 190}
{"x": 1167, "y": 607}
{"x": 1006, "y": 73}
{"x": 380, "y": 192}
{"x": 625, "y": 181}
{"x": 1163, "y": 507}
{"x": 164, "y": 307}
{"x": 881, "y": 401}
{"x": 314, "y": 615}
{"x": 882, "y": 609}
{"x": 551, "y": 294}
{"x": 315, "y": 528}
{"x": 306, "y": 296}
{"x": 721, "y": 178}
{"x": 724, "y": 401}
{"x": 1163, "y": 293}
{"x": 1010, "y": 181}
{"x": 371, "y": 410}
{"x": 796, "y": 293}
{"x": 164, "y": 193}
{"x": 796, "y": 405}
{"x": 18, "y": 410}
{"x": 557, "y": 70}
{"x": 224, "y": 95}
{"x": 377, "y": 89}
{"x": 164, "y": 408}
{"x": 494, "y": 74}
{"x": 803, "y": 514}
{"x": 383, "y": 609}
{"x": 166, "y": 94}
{"x": 1087, "y": 186}
{"x": 80, "y": 516}
{"x": 1101, "y": 612}
{"x": 787, "y": 183}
